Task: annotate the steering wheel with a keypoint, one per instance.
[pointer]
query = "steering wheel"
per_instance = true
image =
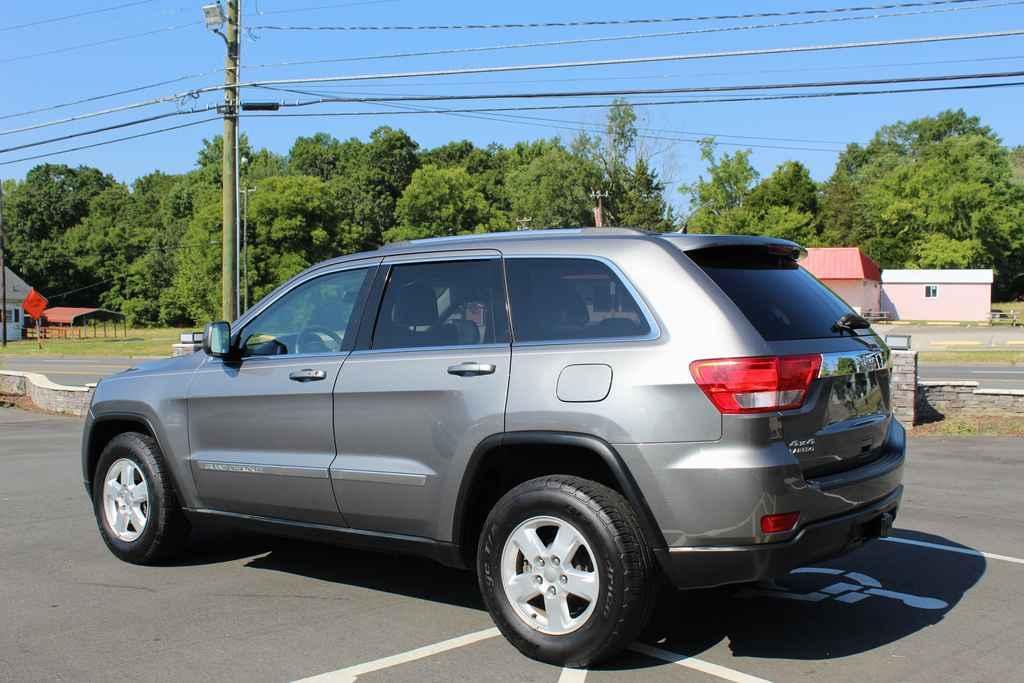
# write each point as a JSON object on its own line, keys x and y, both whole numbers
{"x": 310, "y": 338}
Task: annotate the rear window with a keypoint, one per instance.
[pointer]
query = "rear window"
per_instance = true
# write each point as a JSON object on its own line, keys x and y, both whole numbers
{"x": 567, "y": 299}
{"x": 779, "y": 298}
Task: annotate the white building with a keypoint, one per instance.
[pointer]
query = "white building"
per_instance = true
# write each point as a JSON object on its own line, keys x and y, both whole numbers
{"x": 17, "y": 290}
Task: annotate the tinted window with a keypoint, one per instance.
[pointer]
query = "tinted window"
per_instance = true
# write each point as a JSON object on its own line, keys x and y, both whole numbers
{"x": 450, "y": 303}
{"x": 570, "y": 298}
{"x": 780, "y": 299}
{"x": 312, "y": 318}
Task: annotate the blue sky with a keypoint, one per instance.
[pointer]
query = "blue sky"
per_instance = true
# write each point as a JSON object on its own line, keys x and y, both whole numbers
{"x": 799, "y": 125}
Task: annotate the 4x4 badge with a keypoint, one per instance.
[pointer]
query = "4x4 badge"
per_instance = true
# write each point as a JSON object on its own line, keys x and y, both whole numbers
{"x": 801, "y": 446}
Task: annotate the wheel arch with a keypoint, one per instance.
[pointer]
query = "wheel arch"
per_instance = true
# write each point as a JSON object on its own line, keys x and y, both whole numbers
{"x": 606, "y": 464}
{"x": 100, "y": 432}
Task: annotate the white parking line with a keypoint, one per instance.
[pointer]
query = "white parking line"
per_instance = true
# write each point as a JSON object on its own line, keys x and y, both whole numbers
{"x": 350, "y": 674}
{"x": 696, "y": 664}
{"x": 572, "y": 675}
{"x": 954, "y": 549}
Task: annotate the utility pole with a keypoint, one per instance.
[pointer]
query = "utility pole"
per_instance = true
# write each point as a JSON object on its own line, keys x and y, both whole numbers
{"x": 3, "y": 269}
{"x": 229, "y": 172}
{"x": 599, "y": 196}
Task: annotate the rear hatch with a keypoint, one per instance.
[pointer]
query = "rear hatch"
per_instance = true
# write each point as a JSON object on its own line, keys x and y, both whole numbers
{"x": 845, "y": 415}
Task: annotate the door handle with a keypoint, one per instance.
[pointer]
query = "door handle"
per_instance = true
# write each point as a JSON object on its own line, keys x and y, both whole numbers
{"x": 307, "y": 375}
{"x": 471, "y": 369}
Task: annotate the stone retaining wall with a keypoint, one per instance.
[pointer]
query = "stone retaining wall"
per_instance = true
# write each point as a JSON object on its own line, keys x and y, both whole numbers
{"x": 936, "y": 400}
{"x": 47, "y": 395}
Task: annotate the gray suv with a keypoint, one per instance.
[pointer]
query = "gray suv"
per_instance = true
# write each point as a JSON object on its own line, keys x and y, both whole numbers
{"x": 580, "y": 416}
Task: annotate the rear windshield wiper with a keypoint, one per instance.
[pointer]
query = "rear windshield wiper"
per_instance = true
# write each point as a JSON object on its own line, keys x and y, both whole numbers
{"x": 849, "y": 323}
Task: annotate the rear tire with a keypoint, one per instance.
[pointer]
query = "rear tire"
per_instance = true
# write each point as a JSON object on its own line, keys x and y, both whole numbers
{"x": 574, "y": 610}
{"x": 136, "y": 508}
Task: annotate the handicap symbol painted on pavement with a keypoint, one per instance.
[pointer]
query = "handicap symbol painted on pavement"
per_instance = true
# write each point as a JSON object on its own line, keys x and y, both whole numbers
{"x": 850, "y": 588}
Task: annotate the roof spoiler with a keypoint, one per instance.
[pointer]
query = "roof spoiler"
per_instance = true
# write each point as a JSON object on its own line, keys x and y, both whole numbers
{"x": 774, "y": 245}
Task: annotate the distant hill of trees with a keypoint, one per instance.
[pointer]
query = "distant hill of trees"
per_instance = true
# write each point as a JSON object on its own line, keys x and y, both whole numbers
{"x": 937, "y": 192}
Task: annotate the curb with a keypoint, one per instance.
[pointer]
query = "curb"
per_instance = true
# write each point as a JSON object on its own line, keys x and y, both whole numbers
{"x": 45, "y": 394}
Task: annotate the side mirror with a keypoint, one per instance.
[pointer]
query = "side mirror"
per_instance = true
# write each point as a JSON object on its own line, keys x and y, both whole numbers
{"x": 217, "y": 339}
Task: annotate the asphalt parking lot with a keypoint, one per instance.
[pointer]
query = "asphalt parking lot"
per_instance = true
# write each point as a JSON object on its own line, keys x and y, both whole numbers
{"x": 943, "y": 600}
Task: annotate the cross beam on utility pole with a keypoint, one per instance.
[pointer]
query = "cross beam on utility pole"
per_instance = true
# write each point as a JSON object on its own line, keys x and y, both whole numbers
{"x": 599, "y": 196}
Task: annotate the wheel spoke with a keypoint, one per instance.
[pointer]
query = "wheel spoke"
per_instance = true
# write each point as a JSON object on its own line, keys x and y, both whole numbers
{"x": 565, "y": 545}
{"x": 138, "y": 519}
{"x": 139, "y": 493}
{"x": 529, "y": 543}
{"x": 557, "y": 611}
{"x": 121, "y": 523}
{"x": 581, "y": 584}
{"x": 127, "y": 476}
{"x": 522, "y": 587}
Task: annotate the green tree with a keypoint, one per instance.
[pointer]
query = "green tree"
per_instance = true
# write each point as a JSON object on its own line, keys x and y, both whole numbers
{"x": 718, "y": 201}
{"x": 439, "y": 201}
{"x": 553, "y": 188}
{"x": 38, "y": 213}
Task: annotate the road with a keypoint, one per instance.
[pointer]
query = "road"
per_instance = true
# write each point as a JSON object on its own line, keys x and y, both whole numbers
{"x": 987, "y": 376}
{"x": 955, "y": 338}
{"x": 72, "y": 371}
{"x": 245, "y": 608}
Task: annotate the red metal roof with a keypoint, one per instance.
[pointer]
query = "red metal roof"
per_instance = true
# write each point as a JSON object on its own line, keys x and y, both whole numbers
{"x": 65, "y": 315}
{"x": 841, "y": 263}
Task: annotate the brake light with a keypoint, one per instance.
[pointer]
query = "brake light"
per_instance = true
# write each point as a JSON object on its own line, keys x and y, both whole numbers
{"x": 760, "y": 384}
{"x": 774, "y": 524}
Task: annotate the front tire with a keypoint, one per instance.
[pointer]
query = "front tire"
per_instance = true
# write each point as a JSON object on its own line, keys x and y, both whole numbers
{"x": 136, "y": 508}
{"x": 565, "y": 570}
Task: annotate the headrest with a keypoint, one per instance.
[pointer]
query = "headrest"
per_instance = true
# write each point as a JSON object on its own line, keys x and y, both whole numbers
{"x": 415, "y": 305}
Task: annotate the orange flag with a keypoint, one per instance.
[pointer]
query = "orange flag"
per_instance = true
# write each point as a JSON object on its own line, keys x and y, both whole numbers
{"x": 35, "y": 303}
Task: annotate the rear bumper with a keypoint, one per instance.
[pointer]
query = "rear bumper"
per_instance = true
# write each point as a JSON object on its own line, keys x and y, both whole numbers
{"x": 702, "y": 567}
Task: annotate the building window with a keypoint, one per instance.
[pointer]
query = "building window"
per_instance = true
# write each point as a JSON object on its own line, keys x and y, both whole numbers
{"x": 931, "y": 291}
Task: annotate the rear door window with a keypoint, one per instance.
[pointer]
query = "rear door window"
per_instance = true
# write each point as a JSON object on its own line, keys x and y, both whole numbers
{"x": 444, "y": 303}
{"x": 778, "y": 297}
{"x": 570, "y": 299}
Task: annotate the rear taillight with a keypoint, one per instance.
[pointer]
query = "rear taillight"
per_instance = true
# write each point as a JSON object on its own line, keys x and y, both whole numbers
{"x": 760, "y": 384}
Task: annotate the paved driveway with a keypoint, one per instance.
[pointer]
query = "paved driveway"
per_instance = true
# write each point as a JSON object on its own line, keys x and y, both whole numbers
{"x": 925, "y": 606}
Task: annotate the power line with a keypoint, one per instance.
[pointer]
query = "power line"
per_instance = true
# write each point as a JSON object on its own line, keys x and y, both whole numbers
{"x": 109, "y": 142}
{"x": 636, "y": 60}
{"x": 534, "y": 81}
{"x": 635, "y": 36}
{"x": 543, "y": 66}
{"x": 104, "y": 96}
{"x": 762, "y": 98}
{"x": 107, "y": 41}
{"x": 105, "y": 129}
{"x": 575, "y": 125}
{"x": 53, "y": 20}
{"x": 617, "y": 22}
{"x": 699, "y": 134}
{"x": 314, "y": 8}
{"x": 653, "y": 91}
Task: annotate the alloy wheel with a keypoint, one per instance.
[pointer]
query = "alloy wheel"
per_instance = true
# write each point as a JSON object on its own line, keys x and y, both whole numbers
{"x": 125, "y": 500}
{"x": 549, "y": 573}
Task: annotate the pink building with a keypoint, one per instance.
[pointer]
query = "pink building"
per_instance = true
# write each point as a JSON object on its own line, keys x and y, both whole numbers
{"x": 961, "y": 295}
{"x": 848, "y": 273}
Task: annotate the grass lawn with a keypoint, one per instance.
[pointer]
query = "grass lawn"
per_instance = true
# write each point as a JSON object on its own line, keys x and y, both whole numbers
{"x": 141, "y": 342}
{"x": 994, "y": 357}
{"x": 973, "y": 425}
